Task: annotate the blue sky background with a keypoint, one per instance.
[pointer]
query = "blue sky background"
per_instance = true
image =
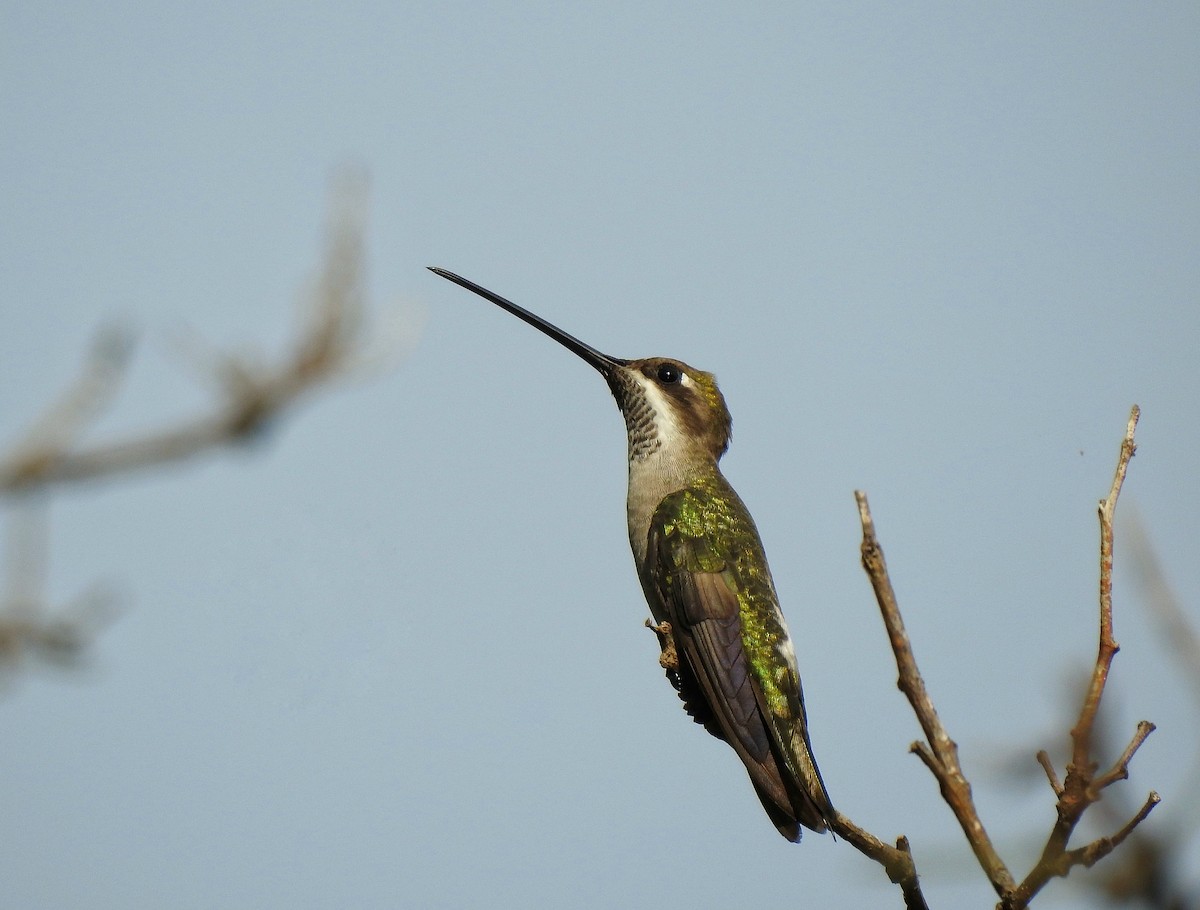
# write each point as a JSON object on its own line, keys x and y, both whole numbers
{"x": 395, "y": 657}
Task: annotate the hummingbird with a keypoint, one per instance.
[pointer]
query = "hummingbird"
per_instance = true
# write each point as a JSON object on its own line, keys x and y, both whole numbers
{"x": 723, "y": 641}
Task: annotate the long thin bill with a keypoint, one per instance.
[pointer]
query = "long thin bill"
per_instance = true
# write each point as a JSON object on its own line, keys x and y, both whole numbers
{"x": 601, "y": 362}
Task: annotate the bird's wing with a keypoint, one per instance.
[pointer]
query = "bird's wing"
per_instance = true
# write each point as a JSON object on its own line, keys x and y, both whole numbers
{"x": 708, "y": 565}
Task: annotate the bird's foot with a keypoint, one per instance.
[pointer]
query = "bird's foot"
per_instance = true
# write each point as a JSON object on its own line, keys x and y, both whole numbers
{"x": 669, "y": 658}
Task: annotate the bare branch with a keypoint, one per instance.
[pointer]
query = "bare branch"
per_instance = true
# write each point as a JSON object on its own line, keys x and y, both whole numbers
{"x": 1081, "y": 787}
{"x": 941, "y": 753}
{"x": 1089, "y": 854}
{"x": 897, "y": 861}
{"x": 1081, "y": 733}
{"x": 1057, "y": 862}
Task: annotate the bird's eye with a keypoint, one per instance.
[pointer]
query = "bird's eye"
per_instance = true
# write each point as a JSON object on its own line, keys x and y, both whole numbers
{"x": 669, "y": 374}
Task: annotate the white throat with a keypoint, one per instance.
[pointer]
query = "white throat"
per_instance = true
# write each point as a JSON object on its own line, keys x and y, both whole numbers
{"x": 657, "y": 466}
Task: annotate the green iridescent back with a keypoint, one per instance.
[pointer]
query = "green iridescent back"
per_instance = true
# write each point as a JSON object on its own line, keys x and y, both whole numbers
{"x": 711, "y": 578}
{"x": 720, "y": 536}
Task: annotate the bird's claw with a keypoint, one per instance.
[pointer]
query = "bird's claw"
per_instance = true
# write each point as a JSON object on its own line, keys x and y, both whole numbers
{"x": 669, "y": 658}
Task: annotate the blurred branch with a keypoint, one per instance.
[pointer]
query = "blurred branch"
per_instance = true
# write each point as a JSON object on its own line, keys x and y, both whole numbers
{"x": 1178, "y": 632}
{"x": 329, "y": 343}
{"x": 1150, "y": 866}
{"x": 28, "y": 625}
{"x": 1081, "y": 787}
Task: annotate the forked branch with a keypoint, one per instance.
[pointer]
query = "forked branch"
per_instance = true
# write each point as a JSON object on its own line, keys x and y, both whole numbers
{"x": 1080, "y": 788}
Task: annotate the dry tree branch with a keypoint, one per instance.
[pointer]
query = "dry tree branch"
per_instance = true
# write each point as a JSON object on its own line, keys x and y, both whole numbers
{"x": 897, "y": 861}
{"x": 1082, "y": 731}
{"x": 1082, "y": 787}
{"x": 941, "y": 753}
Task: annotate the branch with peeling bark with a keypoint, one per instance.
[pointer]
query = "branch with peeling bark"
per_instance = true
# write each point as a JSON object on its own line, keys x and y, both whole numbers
{"x": 1082, "y": 786}
{"x": 330, "y": 343}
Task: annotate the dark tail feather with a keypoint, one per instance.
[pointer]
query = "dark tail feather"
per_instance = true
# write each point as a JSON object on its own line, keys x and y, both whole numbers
{"x": 783, "y": 820}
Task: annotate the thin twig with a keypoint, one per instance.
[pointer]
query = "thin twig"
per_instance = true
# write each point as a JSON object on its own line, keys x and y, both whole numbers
{"x": 1043, "y": 758}
{"x": 1081, "y": 732}
{"x": 1120, "y": 769}
{"x": 1089, "y": 854}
